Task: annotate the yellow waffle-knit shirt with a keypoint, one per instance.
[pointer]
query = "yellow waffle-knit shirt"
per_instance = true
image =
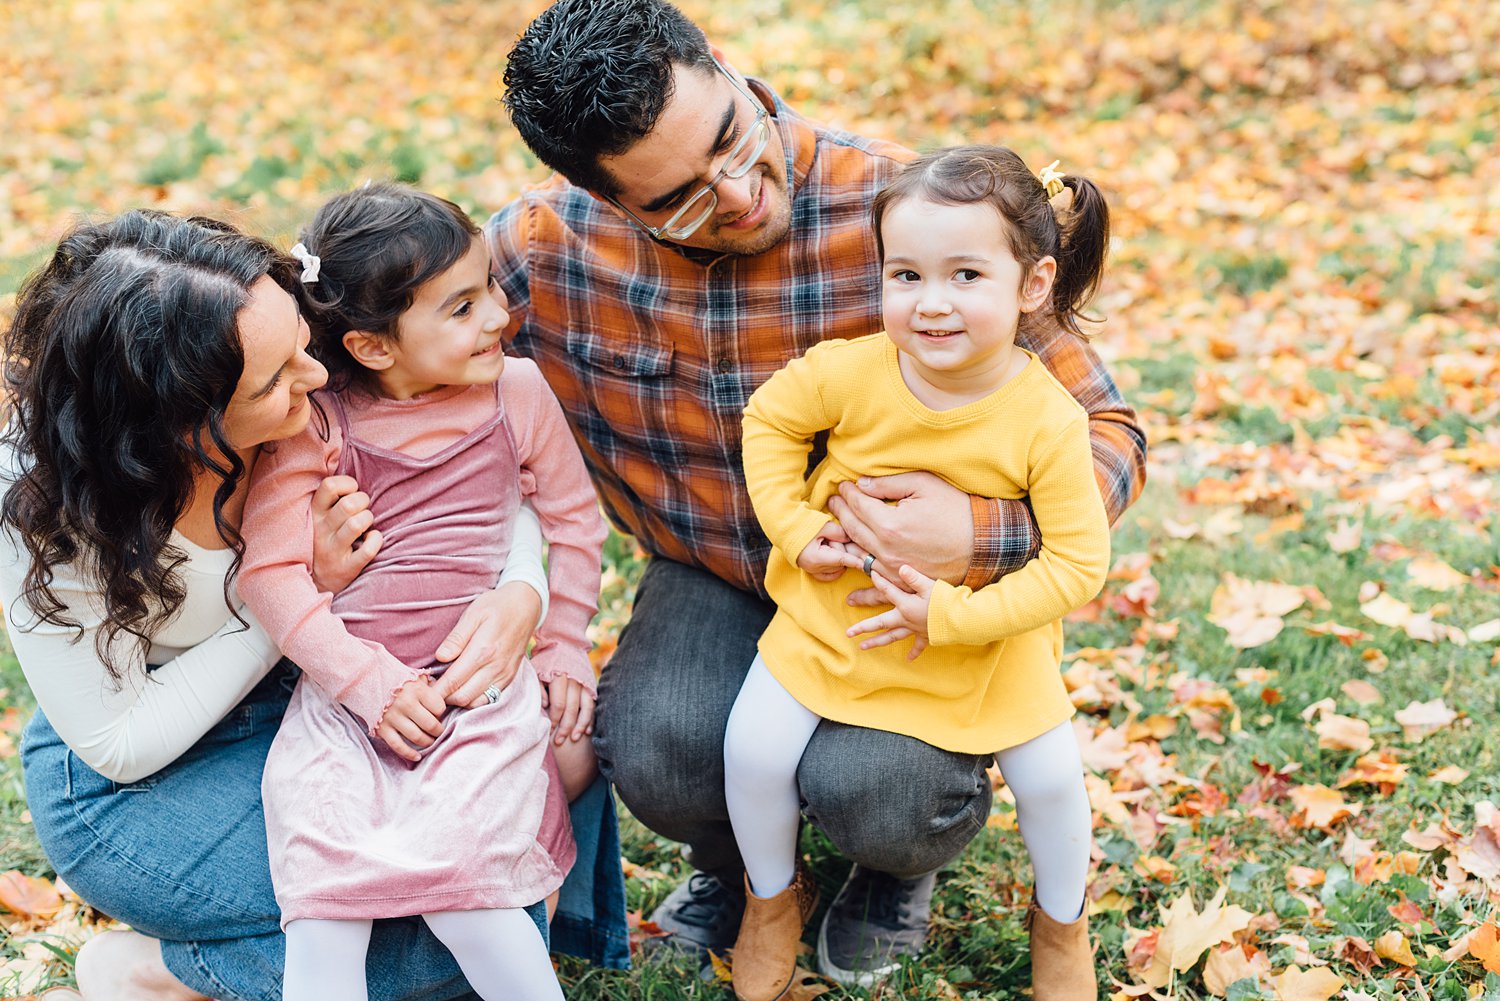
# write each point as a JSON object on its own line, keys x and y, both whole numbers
{"x": 990, "y": 679}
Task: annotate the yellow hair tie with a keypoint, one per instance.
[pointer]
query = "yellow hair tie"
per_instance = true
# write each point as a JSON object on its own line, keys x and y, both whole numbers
{"x": 1052, "y": 179}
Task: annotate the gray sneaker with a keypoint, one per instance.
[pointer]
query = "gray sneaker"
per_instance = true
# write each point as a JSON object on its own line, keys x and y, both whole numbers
{"x": 702, "y": 914}
{"x": 876, "y": 921}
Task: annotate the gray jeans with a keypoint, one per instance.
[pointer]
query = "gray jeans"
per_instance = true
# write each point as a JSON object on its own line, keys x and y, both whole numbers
{"x": 889, "y": 802}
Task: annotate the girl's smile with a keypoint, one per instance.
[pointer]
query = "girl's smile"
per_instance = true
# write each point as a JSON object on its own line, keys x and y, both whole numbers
{"x": 953, "y": 296}
{"x": 448, "y": 336}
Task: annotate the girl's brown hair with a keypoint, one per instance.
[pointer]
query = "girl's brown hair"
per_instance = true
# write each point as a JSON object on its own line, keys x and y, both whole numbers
{"x": 1076, "y": 235}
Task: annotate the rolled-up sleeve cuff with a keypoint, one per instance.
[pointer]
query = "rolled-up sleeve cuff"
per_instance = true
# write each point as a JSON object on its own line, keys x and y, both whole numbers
{"x": 1005, "y": 539}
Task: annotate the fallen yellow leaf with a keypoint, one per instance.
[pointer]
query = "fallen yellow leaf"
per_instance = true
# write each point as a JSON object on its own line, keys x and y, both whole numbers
{"x": 1434, "y": 574}
{"x": 1188, "y": 933}
{"x": 1394, "y": 946}
{"x": 1343, "y": 733}
{"x": 1229, "y": 964}
{"x": 1317, "y": 984}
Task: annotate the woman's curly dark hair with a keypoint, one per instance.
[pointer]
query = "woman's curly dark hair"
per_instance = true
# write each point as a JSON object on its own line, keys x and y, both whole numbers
{"x": 122, "y": 359}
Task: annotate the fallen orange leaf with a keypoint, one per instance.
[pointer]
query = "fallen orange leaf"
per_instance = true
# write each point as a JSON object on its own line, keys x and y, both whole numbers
{"x": 1484, "y": 945}
{"x": 1321, "y": 807}
{"x": 28, "y": 895}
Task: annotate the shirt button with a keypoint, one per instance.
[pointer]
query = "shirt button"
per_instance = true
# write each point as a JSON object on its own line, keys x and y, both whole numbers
{"x": 619, "y": 361}
{"x": 724, "y": 366}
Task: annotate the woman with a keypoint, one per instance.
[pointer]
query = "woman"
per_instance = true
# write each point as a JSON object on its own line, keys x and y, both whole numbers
{"x": 151, "y": 359}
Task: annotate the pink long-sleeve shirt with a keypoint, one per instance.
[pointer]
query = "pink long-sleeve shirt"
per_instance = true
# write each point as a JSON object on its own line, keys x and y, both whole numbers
{"x": 276, "y": 581}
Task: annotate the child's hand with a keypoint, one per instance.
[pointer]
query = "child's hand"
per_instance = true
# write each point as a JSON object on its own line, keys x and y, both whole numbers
{"x": 907, "y": 617}
{"x": 414, "y": 719}
{"x": 570, "y": 707}
{"x": 829, "y": 554}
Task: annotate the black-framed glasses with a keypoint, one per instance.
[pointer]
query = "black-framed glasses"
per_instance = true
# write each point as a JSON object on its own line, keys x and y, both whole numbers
{"x": 737, "y": 163}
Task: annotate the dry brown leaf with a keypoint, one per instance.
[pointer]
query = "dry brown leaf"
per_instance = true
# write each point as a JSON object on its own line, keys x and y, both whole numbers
{"x": 1448, "y": 775}
{"x": 1361, "y": 691}
{"x": 1485, "y": 632}
{"x": 1318, "y": 984}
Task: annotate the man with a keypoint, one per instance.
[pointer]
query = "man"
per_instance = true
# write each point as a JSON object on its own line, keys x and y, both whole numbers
{"x": 698, "y": 235}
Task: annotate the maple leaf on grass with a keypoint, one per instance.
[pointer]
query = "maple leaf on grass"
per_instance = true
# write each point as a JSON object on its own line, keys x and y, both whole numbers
{"x": 1250, "y": 611}
{"x": 1321, "y": 807}
{"x": 1233, "y": 963}
{"x": 1187, "y": 933}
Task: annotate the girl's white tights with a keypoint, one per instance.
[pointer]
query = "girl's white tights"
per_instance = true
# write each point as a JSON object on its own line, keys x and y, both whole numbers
{"x": 500, "y": 952}
{"x": 763, "y": 743}
{"x": 768, "y": 731}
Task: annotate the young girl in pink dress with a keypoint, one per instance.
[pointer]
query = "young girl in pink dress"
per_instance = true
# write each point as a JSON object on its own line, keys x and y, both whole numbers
{"x": 382, "y": 800}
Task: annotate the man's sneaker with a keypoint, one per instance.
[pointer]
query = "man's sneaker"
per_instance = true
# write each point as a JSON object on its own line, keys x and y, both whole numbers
{"x": 702, "y": 914}
{"x": 876, "y": 921}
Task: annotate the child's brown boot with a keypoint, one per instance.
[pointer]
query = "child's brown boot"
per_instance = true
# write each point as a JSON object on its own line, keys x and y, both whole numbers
{"x": 765, "y": 953}
{"x": 1062, "y": 960}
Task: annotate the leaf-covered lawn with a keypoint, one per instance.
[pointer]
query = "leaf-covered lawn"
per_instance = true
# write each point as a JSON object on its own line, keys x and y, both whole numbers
{"x": 1287, "y": 691}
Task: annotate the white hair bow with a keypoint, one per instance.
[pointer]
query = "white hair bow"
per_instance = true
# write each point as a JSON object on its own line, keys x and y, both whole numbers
{"x": 310, "y": 263}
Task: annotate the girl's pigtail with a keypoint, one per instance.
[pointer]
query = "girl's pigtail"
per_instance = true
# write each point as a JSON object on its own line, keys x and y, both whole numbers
{"x": 1083, "y": 236}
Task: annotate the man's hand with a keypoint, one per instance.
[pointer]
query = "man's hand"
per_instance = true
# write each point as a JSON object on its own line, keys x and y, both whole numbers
{"x": 829, "y": 554}
{"x": 570, "y": 707}
{"x": 414, "y": 719}
{"x": 486, "y": 646}
{"x": 929, "y": 528}
{"x": 907, "y": 617}
{"x": 344, "y": 542}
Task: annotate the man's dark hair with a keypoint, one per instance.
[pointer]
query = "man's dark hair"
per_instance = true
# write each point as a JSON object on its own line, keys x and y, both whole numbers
{"x": 589, "y": 79}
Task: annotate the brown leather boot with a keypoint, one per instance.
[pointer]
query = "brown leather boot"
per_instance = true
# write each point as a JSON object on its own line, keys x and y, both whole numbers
{"x": 765, "y": 953}
{"x": 1062, "y": 959}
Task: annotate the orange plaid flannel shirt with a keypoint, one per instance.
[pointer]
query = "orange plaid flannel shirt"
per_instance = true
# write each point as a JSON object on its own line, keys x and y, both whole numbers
{"x": 654, "y": 349}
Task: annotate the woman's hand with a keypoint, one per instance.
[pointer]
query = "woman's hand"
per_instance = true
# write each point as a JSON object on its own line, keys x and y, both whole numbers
{"x": 487, "y": 645}
{"x": 570, "y": 707}
{"x": 929, "y": 528}
{"x": 344, "y": 541}
{"x": 414, "y": 719}
{"x": 906, "y": 617}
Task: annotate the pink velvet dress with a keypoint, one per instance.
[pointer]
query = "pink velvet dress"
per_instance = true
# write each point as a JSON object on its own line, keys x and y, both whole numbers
{"x": 355, "y": 831}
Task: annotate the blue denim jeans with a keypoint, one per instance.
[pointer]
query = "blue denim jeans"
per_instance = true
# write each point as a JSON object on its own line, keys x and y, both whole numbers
{"x": 181, "y": 856}
{"x": 887, "y": 801}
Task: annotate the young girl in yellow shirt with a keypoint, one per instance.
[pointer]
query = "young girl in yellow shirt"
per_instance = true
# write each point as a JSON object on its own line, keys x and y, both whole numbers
{"x": 972, "y": 245}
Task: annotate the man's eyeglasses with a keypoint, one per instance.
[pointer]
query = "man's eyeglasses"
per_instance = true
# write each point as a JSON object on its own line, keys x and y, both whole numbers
{"x": 741, "y": 157}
